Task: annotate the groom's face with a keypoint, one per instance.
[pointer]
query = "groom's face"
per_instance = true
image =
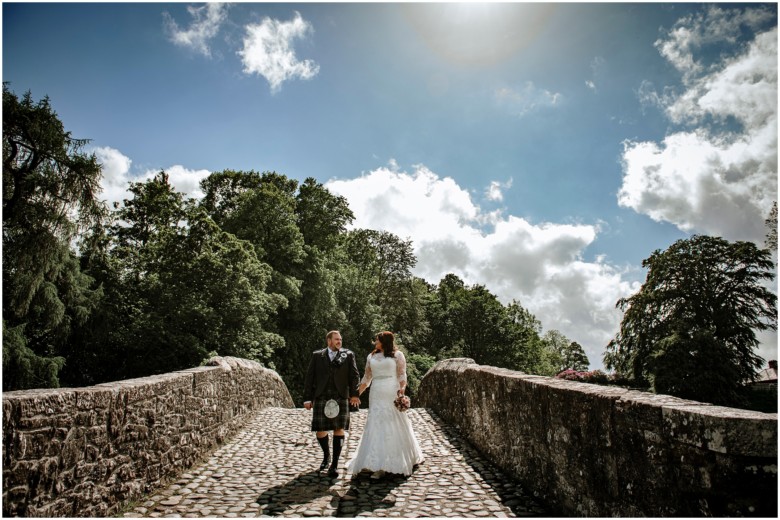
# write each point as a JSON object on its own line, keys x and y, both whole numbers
{"x": 335, "y": 341}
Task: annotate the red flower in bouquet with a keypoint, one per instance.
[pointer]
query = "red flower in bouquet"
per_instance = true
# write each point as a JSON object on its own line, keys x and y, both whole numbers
{"x": 402, "y": 403}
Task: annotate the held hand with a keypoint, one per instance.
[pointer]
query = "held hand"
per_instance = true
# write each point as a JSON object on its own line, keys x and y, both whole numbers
{"x": 307, "y": 406}
{"x": 354, "y": 401}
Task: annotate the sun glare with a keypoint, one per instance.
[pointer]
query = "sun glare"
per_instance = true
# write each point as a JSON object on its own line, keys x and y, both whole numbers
{"x": 477, "y": 33}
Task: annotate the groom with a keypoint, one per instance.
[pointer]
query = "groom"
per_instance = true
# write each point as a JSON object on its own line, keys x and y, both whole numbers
{"x": 331, "y": 380}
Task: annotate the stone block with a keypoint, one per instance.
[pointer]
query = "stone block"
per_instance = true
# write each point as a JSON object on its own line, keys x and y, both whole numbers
{"x": 73, "y": 448}
{"x": 93, "y": 399}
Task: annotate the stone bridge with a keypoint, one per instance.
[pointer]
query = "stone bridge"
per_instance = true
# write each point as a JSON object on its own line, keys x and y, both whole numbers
{"x": 225, "y": 440}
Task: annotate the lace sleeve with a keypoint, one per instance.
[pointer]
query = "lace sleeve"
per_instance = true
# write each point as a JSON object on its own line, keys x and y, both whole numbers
{"x": 367, "y": 376}
{"x": 400, "y": 366}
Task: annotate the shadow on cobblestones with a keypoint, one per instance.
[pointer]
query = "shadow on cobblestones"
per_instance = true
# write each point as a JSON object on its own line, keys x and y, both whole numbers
{"x": 304, "y": 489}
{"x": 366, "y": 495}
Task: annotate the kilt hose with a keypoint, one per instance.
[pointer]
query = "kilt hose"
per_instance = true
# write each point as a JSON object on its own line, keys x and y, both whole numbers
{"x": 320, "y": 422}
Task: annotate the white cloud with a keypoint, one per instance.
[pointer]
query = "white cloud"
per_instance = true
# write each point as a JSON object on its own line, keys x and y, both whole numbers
{"x": 182, "y": 179}
{"x": 495, "y": 190}
{"x": 698, "y": 30}
{"x": 117, "y": 177}
{"x": 207, "y": 21}
{"x": 590, "y": 85}
{"x": 540, "y": 265}
{"x": 526, "y": 99}
{"x": 709, "y": 180}
{"x": 116, "y": 169}
{"x": 268, "y": 51}
{"x": 701, "y": 185}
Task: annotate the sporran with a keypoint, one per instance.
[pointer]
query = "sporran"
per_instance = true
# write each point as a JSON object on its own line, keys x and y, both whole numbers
{"x": 331, "y": 408}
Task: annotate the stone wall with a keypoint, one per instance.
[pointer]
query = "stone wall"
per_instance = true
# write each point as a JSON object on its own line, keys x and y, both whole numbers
{"x": 88, "y": 451}
{"x": 590, "y": 450}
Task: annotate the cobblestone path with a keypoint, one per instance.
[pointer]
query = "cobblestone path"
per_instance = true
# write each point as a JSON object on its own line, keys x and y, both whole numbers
{"x": 270, "y": 469}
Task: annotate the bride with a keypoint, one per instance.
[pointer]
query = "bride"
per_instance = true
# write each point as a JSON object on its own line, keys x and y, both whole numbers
{"x": 388, "y": 444}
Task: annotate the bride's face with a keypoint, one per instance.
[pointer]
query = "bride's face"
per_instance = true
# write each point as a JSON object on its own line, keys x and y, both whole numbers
{"x": 378, "y": 344}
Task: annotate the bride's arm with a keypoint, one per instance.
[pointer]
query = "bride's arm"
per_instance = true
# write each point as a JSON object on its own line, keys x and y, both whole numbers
{"x": 400, "y": 367}
{"x": 366, "y": 381}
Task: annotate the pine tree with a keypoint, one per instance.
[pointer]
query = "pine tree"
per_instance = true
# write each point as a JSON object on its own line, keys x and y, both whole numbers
{"x": 50, "y": 190}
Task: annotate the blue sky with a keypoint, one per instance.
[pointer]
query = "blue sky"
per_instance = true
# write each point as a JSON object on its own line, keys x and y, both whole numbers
{"x": 543, "y": 150}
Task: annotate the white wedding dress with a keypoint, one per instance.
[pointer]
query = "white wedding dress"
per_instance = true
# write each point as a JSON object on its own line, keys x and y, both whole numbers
{"x": 388, "y": 442}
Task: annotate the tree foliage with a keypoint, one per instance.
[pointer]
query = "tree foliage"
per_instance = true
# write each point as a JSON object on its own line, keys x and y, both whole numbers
{"x": 180, "y": 287}
{"x": 50, "y": 193}
{"x": 23, "y": 368}
{"x": 574, "y": 357}
{"x": 562, "y": 353}
{"x": 700, "y": 306}
{"x": 470, "y": 321}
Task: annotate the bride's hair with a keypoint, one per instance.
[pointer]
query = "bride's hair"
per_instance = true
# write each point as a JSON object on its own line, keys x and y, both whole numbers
{"x": 387, "y": 340}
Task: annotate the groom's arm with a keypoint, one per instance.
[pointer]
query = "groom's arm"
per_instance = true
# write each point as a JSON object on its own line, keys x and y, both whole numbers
{"x": 308, "y": 385}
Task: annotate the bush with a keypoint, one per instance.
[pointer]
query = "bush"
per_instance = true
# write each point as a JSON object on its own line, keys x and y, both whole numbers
{"x": 596, "y": 377}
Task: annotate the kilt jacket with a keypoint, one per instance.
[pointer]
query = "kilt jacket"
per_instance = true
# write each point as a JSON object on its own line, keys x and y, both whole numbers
{"x": 345, "y": 374}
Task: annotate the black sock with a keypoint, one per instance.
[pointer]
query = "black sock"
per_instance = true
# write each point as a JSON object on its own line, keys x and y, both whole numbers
{"x": 326, "y": 451}
{"x": 338, "y": 442}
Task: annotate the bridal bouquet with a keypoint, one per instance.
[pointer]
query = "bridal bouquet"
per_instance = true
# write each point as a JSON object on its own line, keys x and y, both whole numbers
{"x": 402, "y": 403}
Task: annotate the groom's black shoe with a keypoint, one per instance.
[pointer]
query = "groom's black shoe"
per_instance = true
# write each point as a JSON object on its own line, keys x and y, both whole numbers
{"x": 333, "y": 473}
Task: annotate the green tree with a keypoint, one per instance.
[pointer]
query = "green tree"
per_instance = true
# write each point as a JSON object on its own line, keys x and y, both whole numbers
{"x": 574, "y": 357}
{"x": 212, "y": 294}
{"x": 96, "y": 351}
{"x": 307, "y": 319}
{"x": 154, "y": 213}
{"x": 443, "y": 312}
{"x": 223, "y": 190}
{"x": 387, "y": 261}
{"x": 700, "y": 306}
{"x": 530, "y": 350}
{"x": 562, "y": 353}
{"x": 321, "y": 218}
{"x": 355, "y": 294}
{"x": 694, "y": 364}
{"x": 555, "y": 345}
{"x": 50, "y": 190}
{"x": 482, "y": 321}
{"x": 189, "y": 287}
{"x": 417, "y": 365}
{"x": 23, "y": 368}
{"x": 260, "y": 209}
{"x": 412, "y": 317}
{"x": 471, "y": 322}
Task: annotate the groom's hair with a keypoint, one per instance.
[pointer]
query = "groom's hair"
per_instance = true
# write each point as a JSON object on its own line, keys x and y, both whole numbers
{"x": 330, "y": 334}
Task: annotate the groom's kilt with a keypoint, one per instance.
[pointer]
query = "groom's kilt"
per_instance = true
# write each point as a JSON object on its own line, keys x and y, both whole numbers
{"x": 320, "y": 422}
